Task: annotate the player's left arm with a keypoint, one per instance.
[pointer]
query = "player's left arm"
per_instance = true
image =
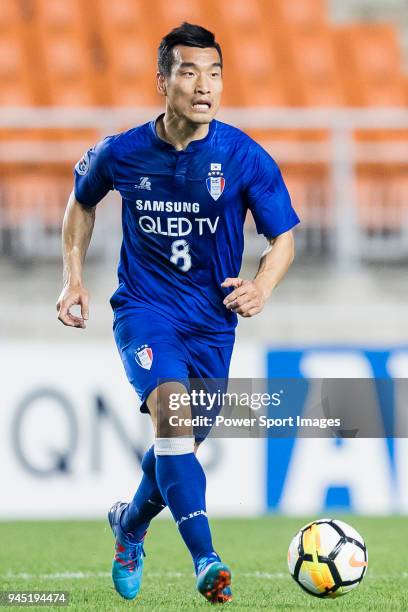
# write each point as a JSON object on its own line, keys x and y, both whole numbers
{"x": 249, "y": 296}
{"x": 269, "y": 202}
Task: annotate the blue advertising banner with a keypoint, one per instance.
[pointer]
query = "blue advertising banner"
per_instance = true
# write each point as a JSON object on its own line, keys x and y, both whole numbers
{"x": 363, "y": 475}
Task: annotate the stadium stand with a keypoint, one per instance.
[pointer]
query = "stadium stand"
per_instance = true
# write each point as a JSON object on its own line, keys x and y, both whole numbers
{"x": 278, "y": 54}
{"x": 105, "y": 53}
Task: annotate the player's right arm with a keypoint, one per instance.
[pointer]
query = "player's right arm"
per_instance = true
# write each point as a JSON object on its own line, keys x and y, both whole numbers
{"x": 93, "y": 179}
{"x": 76, "y": 235}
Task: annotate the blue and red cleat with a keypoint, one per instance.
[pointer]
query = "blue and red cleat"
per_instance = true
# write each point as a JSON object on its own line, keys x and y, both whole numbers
{"x": 127, "y": 564}
{"x": 214, "y": 579}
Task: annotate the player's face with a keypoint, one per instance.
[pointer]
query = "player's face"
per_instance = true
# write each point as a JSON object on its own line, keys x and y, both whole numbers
{"x": 193, "y": 89}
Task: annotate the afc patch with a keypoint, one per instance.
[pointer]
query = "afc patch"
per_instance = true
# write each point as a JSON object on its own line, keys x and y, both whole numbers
{"x": 144, "y": 356}
{"x": 82, "y": 166}
{"x": 215, "y": 186}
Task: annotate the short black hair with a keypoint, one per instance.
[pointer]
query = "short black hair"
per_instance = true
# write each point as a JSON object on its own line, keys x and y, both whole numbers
{"x": 188, "y": 35}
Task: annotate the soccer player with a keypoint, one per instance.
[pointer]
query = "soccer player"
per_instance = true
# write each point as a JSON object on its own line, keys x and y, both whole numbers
{"x": 187, "y": 182}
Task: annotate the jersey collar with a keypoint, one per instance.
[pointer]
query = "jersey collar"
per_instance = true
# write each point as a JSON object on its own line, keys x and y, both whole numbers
{"x": 194, "y": 145}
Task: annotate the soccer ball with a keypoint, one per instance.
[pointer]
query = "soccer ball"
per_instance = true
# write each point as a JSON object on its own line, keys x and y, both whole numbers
{"x": 327, "y": 558}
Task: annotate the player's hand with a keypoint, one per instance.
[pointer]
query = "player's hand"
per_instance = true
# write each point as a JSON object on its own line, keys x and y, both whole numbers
{"x": 247, "y": 299}
{"x": 71, "y": 296}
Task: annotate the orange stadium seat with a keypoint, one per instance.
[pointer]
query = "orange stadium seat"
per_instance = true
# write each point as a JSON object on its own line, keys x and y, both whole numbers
{"x": 69, "y": 81}
{"x": 64, "y": 53}
{"x": 15, "y": 84}
{"x": 371, "y": 62}
{"x": 9, "y": 15}
{"x": 130, "y": 54}
{"x": 244, "y": 15}
{"x": 306, "y": 37}
{"x": 58, "y": 16}
{"x": 172, "y": 14}
{"x": 316, "y": 63}
{"x": 303, "y": 14}
{"x": 245, "y": 31}
{"x": 15, "y": 87}
{"x": 124, "y": 16}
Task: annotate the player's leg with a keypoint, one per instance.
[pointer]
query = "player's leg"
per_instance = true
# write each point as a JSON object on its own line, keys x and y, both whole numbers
{"x": 182, "y": 482}
{"x": 129, "y": 523}
{"x": 151, "y": 349}
{"x": 180, "y": 475}
{"x": 148, "y": 352}
{"x": 146, "y": 503}
{"x": 209, "y": 370}
{"x": 148, "y": 348}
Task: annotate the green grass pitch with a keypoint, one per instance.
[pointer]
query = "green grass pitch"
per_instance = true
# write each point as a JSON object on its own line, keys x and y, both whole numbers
{"x": 76, "y": 555}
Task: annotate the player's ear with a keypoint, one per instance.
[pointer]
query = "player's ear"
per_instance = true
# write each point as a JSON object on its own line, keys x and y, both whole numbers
{"x": 161, "y": 83}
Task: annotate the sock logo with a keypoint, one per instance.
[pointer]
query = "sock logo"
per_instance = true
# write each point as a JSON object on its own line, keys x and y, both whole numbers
{"x": 190, "y": 516}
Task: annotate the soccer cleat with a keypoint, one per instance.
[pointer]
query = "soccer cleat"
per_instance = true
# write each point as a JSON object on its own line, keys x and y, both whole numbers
{"x": 127, "y": 564}
{"x": 214, "y": 579}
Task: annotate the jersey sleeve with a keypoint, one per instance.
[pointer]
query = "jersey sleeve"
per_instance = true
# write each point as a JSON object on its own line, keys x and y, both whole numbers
{"x": 93, "y": 174}
{"x": 268, "y": 198}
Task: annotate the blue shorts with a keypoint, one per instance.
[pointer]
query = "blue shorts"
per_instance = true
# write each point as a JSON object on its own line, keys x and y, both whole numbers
{"x": 151, "y": 349}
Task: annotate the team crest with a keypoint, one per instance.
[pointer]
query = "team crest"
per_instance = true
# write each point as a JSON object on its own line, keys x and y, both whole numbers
{"x": 144, "y": 356}
{"x": 215, "y": 181}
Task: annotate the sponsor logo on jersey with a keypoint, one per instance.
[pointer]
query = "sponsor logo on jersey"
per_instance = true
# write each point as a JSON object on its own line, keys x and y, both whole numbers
{"x": 162, "y": 206}
{"x": 144, "y": 356}
{"x": 82, "y": 166}
{"x": 215, "y": 181}
{"x": 144, "y": 183}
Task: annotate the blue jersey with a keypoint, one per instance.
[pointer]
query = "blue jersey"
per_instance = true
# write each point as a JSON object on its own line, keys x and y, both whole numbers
{"x": 183, "y": 214}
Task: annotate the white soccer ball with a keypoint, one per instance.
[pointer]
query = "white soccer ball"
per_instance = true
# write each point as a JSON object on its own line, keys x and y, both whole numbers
{"x": 327, "y": 558}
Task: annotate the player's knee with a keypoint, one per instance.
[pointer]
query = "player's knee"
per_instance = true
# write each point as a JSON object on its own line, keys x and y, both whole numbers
{"x": 171, "y": 419}
{"x": 171, "y": 424}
